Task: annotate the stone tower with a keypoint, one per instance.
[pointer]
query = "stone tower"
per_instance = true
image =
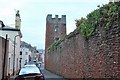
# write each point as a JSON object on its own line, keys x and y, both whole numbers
{"x": 17, "y": 20}
{"x": 55, "y": 29}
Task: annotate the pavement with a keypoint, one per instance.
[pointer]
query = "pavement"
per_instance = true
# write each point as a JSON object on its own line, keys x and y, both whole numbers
{"x": 49, "y": 75}
{"x": 13, "y": 77}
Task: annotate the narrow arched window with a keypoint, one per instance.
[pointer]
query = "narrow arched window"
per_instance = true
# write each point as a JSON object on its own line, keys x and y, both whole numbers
{"x": 56, "y": 29}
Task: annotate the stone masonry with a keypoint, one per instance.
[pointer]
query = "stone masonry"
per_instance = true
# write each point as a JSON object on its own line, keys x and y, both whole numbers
{"x": 55, "y": 30}
{"x": 2, "y": 49}
{"x": 97, "y": 57}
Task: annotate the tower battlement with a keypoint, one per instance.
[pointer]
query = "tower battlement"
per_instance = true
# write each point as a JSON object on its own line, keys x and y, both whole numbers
{"x": 56, "y": 18}
{"x": 55, "y": 29}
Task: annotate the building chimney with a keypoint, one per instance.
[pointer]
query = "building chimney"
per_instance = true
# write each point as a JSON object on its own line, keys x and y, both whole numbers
{"x": 17, "y": 20}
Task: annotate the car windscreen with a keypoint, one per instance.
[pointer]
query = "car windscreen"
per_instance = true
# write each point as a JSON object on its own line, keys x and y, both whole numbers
{"x": 28, "y": 70}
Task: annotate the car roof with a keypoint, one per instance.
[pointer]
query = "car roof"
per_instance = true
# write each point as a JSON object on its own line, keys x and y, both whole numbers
{"x": 27, "y": 69}
{"x": 30, "y": 65}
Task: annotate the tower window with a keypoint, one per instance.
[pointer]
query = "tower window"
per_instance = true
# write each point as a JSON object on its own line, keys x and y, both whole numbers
{"x": 56, "y": 28}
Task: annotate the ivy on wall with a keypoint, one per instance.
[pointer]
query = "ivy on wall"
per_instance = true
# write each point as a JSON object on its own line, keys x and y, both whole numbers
{"x": 86, "y": 26}
{"x": 55, "y": 44}
{"x": 105, "y": 14}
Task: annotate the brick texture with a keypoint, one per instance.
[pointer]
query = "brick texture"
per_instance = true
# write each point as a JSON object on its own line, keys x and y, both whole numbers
{"x": 97, "y": 57}
{"x": 2, "y": 47}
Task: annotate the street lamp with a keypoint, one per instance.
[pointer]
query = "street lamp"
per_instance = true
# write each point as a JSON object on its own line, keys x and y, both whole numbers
{"x": 14, "y": 54}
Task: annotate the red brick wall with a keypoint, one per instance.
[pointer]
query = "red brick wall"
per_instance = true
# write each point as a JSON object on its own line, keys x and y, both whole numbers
{"x": 51, "y": 34}
{"x": 97, "y": 57}
{"x": 1, "y": 57}
{"x": 51, "y": 23}
{"x": 2, "y": 47}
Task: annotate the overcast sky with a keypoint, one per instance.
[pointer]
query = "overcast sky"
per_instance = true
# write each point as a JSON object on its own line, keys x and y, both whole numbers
{"x": 33, "y": 15}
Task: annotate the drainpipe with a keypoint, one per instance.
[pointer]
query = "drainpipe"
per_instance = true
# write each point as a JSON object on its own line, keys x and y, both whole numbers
{"x": 14, "y": 55}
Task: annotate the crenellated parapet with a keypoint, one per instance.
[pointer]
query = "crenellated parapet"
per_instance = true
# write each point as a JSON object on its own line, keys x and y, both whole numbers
{"x": 55, "y": 28}
{"x": 56, "y": 19}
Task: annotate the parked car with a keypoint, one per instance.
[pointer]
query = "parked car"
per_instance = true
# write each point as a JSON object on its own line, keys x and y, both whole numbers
{"x": 30, "y": 72}
{"x": 29, "y": 66}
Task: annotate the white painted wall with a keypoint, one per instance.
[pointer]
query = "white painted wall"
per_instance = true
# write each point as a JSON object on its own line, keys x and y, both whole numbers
{"x": 11, "y": 51}
{"x": 25, "y": 55}
{"x": 43, "y": 57}
{"x": 17, "y": 52}
{"x": 11, "y": 36}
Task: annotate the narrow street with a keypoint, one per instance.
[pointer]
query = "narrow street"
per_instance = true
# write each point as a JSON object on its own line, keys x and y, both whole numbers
{"x": 47, "y": 74}
{"x": 59, "y": 39}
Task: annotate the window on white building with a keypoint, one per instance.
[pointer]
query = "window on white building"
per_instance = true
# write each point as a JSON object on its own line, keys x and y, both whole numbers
{"x": 26, "y": 53}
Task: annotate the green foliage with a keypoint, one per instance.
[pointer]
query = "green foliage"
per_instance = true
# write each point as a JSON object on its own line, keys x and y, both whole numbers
{"x": 55, "y": 44}
{"x": 78, "y": 22}
{"x": 104, "y": 15}
{"x": 87, "y": 28}
{"x": 109, "y": 12}
{"x": 94, "y": 16}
